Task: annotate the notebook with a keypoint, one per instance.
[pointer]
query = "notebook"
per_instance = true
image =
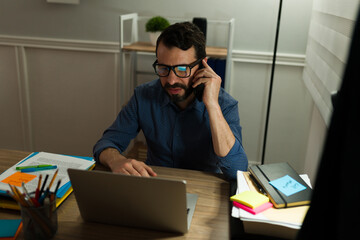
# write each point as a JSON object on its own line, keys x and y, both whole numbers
{"x": 10, "y": 228}
{"x": 282, "y": 183}
{"x": 153, "y": 203}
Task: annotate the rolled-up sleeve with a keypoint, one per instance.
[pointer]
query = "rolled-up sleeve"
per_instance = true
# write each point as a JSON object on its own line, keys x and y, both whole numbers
{"x": 236, "y": 159}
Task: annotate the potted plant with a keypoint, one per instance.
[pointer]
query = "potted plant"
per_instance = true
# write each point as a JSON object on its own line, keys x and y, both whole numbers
{"x": 155, "y": 26}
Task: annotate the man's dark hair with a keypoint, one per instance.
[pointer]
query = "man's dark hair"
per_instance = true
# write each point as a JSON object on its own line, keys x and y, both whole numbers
{"x": 184, "y": 35}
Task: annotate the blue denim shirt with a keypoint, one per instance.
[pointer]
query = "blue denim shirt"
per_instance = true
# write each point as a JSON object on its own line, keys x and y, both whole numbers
{"x": 175, "y": 138}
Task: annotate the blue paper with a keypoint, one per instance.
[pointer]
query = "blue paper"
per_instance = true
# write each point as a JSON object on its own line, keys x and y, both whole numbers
{"x": 61, "y": 192}
{"x": 287, "y": 185}
{"x": 8, "y": 227}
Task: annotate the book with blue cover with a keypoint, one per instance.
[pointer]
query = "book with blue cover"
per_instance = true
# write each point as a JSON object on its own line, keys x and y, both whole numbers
{"x": 63, "y": 162}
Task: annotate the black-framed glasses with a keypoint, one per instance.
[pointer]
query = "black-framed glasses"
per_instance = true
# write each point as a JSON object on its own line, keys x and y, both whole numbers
{"x": 181, "y": 70}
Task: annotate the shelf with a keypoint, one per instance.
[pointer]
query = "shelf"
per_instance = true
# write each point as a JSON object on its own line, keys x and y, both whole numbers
{"x": 218, "y": 52}
{"x": 128, "y": 51}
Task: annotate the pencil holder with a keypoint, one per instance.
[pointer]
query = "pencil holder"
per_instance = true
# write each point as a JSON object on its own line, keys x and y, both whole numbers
{"x": 39, "y": 222}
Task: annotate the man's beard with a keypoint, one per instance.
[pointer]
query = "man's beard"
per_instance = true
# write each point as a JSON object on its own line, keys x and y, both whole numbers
{"x": 177, "y": 97}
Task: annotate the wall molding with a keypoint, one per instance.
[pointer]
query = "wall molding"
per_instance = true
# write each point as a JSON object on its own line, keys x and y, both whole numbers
{"x": 113, "y": 47}
{"x": 61, "y": 44}
{"x": 266, "y": 58}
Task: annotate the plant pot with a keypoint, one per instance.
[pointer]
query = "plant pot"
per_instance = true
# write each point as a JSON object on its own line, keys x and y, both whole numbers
{"x": 153, "y": 37}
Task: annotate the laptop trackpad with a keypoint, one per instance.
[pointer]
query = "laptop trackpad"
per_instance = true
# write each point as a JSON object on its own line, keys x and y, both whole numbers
{"x": 191, "y": 200}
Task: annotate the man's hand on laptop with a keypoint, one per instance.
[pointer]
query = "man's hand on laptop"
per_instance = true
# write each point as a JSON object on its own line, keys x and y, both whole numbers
{"x": 111, "y": 158}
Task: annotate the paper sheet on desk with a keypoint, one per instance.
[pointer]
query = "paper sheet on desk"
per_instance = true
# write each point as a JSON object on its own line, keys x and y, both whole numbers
{"x": 62, "y": 161}
{"x": 288, "y": 217}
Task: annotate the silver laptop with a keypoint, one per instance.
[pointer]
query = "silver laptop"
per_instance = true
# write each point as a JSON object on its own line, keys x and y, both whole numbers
{"x": 152, "y": 203}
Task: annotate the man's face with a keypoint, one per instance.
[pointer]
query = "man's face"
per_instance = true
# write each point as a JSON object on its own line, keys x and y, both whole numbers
{"x": 178, "y": 88}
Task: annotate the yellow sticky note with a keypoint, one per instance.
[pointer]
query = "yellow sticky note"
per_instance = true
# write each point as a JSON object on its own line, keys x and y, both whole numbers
{"x": 250, "y": 198}
{"x": 17, "y": 178}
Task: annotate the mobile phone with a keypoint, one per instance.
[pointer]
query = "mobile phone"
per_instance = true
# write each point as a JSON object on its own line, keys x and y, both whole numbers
{"x": 199, "y": 90}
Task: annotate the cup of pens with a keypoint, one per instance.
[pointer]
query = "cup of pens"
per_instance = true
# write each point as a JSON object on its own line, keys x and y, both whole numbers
{"x": 40, "y": 222}
{"x": 38, "y": 209}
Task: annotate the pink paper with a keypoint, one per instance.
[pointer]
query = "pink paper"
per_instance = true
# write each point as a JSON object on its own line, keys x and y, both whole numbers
{"x": 255, "y": 210}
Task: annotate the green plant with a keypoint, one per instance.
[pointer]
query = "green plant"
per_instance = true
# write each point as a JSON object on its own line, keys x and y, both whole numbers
{"x": 156, "y": 24}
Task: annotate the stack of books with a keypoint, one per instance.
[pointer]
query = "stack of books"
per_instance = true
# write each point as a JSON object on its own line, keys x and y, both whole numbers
{"x": 276, "y": 222}
{"x": 27, "y": 174}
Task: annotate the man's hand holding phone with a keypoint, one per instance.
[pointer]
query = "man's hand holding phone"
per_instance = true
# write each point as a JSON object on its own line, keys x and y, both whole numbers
{"x": 222, "y": 136}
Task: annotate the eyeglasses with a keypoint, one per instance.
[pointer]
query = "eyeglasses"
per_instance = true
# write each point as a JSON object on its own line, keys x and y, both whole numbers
{"x": 181, "y": 70}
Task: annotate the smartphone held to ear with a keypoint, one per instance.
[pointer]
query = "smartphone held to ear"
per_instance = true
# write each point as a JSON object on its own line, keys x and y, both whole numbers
{"x": 199, "y": 90}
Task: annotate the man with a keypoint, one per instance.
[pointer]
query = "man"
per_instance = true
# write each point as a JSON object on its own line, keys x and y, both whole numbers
{"x": 183, "y": 128}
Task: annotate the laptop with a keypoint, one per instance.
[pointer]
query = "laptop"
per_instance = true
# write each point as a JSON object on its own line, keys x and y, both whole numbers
{"x": 153, "y": 203}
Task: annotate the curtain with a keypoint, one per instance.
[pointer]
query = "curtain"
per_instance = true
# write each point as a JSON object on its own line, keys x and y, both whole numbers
{"x": 329, "y": 39}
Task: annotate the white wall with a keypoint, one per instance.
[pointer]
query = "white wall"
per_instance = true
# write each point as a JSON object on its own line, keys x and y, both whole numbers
{"x": 67, "y": 56}
{"x": 315, "y": 144}
{"x": 98, "y": 19}
{"x": 51, "y": 100}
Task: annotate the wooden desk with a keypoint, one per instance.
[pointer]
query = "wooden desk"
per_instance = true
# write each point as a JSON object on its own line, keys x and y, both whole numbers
{"x": 217, "y": 52}
{"x": 210, "y": 221}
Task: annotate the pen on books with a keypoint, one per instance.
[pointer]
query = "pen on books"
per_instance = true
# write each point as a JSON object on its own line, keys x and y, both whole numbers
{"x": 38, "y": 169}
{"x": 34, "y": 166}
